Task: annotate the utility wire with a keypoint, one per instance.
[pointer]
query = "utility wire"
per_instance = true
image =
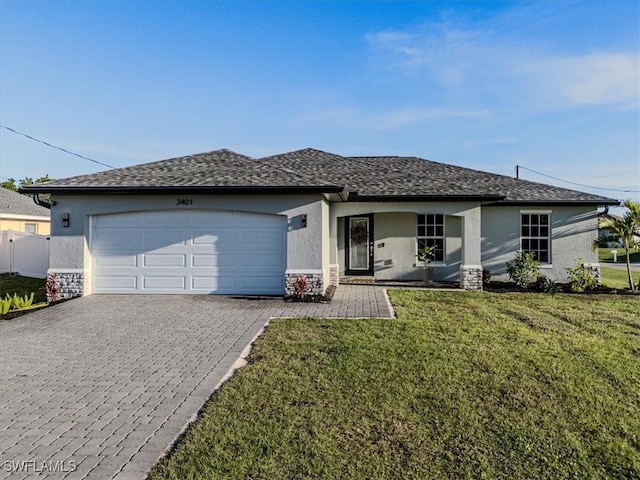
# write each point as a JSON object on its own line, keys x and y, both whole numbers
{"x": 578, "y": 184}
{"x": 57, "y": 148}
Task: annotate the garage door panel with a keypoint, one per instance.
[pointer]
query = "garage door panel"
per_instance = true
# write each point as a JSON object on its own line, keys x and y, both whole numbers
{"x": 189, "y": 252}
{"x": 205, "y": 260}
{"x": 164, "y": 260}
{"x": 164, "y": 283}
{"x": 153, "y": 239}
{"x": 214, "y": 283}
{"x": 261, "y": 260}
{"x": 116, "y": 282}
{"x": 117, "y": 260}
{"x": 116, "y": 239}
{"x": 218, "y": 240}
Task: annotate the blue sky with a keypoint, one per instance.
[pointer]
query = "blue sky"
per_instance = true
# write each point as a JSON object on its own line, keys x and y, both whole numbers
{"x": 553, "y": 86}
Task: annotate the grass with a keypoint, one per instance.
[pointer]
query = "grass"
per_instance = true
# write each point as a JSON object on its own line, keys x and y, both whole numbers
{"x": 617, "y": 278}
{"x": 23, "y": 286}
{"x": 460, "y": 385}
{"x": 605, "y": 255}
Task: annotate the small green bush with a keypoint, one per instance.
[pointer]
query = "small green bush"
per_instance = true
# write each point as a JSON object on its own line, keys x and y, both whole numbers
{"x": 5, "y": 305}
{"x": 546, "y": 285}
{"x": 524, "y": 270}
{"x": 581, "y": 278}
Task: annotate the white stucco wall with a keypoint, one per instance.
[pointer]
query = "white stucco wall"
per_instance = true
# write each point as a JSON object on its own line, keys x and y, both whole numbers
{"x": 307, "y": 248}
{"x": 572, "y": 231}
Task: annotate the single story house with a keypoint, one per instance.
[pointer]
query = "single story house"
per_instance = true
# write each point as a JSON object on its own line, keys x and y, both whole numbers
{"x": 21, "y": 214}
{"x": 222, "y": 222}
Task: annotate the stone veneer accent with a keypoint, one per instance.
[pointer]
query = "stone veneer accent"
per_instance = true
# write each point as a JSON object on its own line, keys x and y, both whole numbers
{"x": 334, "y": 275}
{"x": 595, "y": 270}
{"x": 315, "y": 283}
{"x": 471, "y": 277}
{"x": 71, "y": 284}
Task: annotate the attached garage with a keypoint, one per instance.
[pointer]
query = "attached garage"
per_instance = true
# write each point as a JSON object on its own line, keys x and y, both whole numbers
{"x": 188, "y": 252}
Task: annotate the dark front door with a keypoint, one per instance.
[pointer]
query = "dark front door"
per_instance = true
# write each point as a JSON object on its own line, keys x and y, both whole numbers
{"x": 359, "y": 245}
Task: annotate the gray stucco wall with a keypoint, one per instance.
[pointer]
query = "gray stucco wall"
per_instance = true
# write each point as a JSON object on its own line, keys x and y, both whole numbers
{"x": 306, "y": 247}
{"x": 572, "y": 231}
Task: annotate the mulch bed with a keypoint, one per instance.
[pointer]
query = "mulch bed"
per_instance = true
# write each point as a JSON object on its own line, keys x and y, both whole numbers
{"x": 326, "y": 298}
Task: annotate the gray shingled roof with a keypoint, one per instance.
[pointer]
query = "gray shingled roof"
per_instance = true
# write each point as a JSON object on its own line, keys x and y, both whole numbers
{"x": 14, "y": 203}
{"x": 365, "y": 177}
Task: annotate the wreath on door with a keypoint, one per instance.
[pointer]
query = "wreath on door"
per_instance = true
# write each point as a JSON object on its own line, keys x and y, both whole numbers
{"x": 359, "y": 234}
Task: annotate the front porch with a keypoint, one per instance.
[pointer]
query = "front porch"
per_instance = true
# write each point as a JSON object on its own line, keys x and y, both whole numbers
{"x": 377, "y": 243}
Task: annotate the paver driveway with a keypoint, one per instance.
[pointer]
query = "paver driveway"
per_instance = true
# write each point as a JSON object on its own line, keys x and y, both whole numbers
{"x": 100, "y": 387}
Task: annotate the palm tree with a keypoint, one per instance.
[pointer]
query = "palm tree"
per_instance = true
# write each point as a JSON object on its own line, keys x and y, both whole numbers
{"x": 623, "y": 230}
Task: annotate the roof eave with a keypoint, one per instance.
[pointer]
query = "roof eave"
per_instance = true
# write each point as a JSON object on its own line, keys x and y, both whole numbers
{"x": 549, "y": 203}
{"x": 354, "y": 197}
{"x": 182, "y": 189}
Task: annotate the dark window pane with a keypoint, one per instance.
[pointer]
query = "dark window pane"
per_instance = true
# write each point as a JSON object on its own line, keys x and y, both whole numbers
{"x": 439, "y": 243}
{"x": 525, "y": 219}
{"x": 421, "y": 231}
{"x": 421, "y": 243}
{"x": 534, "y": 231}
{"x": 544, "y": 231}
{"x": 533, "y": 244}
{"x": 525, "y": 231}
{"x": 544, "y": 244}
{"x": 544, "y": 256}
{"x": 439, "y": 231}
{"x": 525, "y": 244}
{"x": 430, "y": 230}
{"x": 439, "y": 219}
{"x": 544, "y": 219}
{"x": 534, "y": 219}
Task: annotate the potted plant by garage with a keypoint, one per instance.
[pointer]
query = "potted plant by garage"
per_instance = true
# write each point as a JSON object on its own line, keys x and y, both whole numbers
{"x": 425, "y": 255}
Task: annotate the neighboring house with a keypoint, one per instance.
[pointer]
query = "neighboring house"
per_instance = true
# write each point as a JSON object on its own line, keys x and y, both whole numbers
{"x": 20, "y": 213}
{"x": 221, "y": 222}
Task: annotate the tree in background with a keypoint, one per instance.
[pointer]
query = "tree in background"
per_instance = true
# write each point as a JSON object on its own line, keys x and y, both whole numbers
{"x": 624, "y": 230}
{"x": 11, "y": 184}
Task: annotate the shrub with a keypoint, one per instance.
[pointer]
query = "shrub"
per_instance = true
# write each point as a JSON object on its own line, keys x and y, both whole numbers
{"x": 581, "y": 278}
{"x": 547, "y": 285}
{"x": 301, "y": 286}
{"x": 524, "y": 270}
{"x": 21, "y": 302}
{"x": 486, "y": 276}
{"x": 5, "y": 304}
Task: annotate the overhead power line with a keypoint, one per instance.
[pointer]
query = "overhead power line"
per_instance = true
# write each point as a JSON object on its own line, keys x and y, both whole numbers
{"x": 57, "y": 148}
{"x": 578, "y": 184}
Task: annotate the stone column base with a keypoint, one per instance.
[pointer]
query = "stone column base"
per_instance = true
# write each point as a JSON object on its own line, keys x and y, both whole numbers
{"x": 315, "y": 281}
{"x": 594, "y": 268}
{"x": 471, "y": 277}
{"x": 334, "y": 275}
{"x": 70, "y": 283}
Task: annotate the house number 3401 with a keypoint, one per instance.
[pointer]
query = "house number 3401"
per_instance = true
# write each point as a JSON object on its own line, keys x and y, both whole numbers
{"x": 184, "y": 201}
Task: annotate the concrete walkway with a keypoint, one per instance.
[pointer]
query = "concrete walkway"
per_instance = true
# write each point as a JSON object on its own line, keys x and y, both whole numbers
{"x": 99, "y": 387}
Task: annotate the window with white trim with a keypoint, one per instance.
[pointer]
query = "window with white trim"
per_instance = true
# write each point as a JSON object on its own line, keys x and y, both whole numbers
{"x": 535, "y": 235}
{"x": 31, "y": 228}
{"x": 431, "y": 234}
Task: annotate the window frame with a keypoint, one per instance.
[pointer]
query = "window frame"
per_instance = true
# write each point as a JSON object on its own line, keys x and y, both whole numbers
{"x": 422, "y": 220}
{"x": 535, "y": 234}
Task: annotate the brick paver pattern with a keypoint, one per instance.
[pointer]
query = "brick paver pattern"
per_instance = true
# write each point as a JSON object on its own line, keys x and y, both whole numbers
{"x": 101, "y": 386}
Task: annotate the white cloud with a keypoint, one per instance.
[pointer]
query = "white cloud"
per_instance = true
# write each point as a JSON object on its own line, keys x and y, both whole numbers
{"x": 485, "y": 62}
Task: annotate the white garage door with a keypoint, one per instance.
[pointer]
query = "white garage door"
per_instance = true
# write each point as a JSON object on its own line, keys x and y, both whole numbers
{"x": 193, "y": 252}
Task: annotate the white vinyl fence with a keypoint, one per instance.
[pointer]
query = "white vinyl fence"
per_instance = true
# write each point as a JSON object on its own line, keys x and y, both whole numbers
{"x": 24, "y": 254}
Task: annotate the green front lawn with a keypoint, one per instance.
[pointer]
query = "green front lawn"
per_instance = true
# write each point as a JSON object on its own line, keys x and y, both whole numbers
{"x": 617, "y": 278}
{"x": 605, "y": 255}
{"x": 461, "y": 385}
{"x": 23, "y": 286}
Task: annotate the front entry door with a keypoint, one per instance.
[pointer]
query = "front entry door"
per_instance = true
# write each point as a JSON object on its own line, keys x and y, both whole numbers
{"x": 359, "y": 243}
